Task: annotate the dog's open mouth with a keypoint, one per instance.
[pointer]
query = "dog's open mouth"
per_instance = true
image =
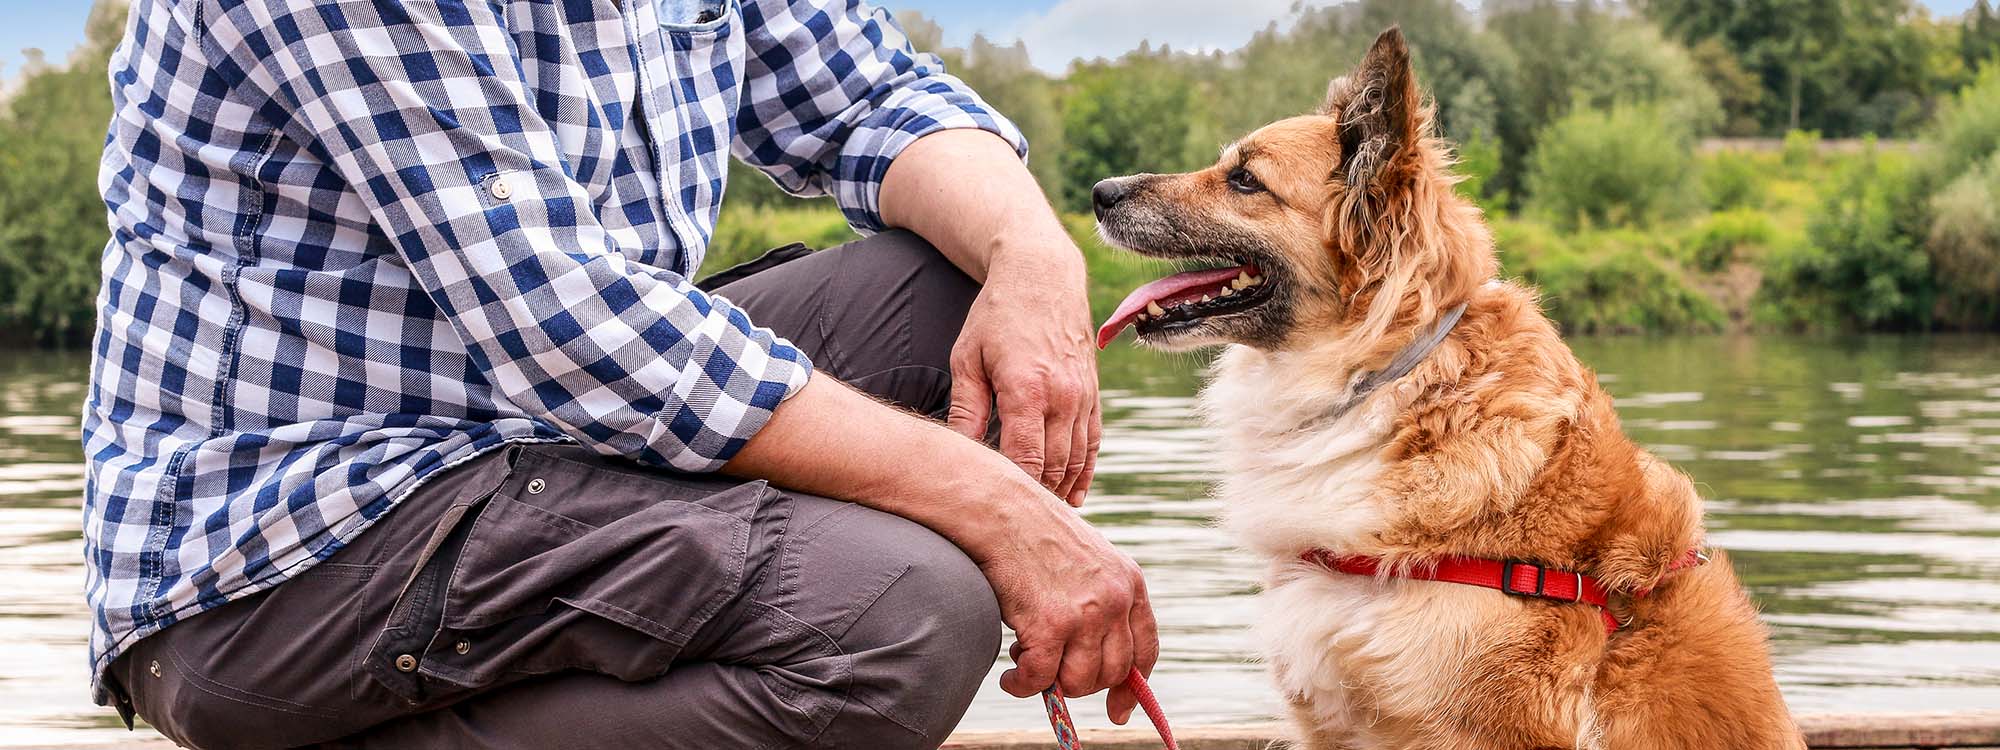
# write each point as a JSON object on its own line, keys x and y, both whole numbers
{"x": 1182, "y": 300}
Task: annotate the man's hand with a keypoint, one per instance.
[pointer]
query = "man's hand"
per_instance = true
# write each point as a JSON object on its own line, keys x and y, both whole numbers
{"x": 1026, "y": 349}
{"x": 1026, "y": 344}
{"x": 1076, "y": 604}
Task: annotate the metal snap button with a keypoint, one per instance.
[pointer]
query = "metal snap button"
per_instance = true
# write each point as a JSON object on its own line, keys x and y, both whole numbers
{"x": 406, "y": 663}
{"x": 154, "y": 667}
{"x": 501, "y": 190}
{"x": 536, "y": 485}
{"x": 463, "y": 646}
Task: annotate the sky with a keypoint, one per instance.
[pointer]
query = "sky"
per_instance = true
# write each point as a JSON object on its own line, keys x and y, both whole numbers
{"x": 1054, "y": 30}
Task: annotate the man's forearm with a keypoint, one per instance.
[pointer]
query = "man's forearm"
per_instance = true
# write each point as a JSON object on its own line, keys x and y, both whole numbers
{"x": 831, "y": 440}
{"x": 968, "y": 194}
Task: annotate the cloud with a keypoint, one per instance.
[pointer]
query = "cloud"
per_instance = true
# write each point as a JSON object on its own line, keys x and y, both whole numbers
{"x": 1088, "y": 29}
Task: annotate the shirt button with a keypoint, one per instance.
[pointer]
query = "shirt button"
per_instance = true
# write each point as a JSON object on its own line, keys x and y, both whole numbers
{"x": 406, "y": 663}
{"x": 500, "y": 189}
{"x": 536, "y": 485}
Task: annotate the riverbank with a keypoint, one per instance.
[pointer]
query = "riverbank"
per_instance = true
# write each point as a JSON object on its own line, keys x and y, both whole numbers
{"x": 1903, "y": 731}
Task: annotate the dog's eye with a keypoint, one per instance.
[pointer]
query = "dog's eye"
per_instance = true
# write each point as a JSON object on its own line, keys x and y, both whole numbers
{"x": 1240, "y": 180}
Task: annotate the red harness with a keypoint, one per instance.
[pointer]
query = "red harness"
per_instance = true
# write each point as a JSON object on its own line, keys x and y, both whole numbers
{"x": 1511, "y": 577}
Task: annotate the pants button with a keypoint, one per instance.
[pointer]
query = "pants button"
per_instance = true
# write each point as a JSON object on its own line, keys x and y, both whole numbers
{"x": 535, "y": 486}
{"x": 463, "y": 647}
{"x": 406, "y": 663}
{"x": 154, "y": 667}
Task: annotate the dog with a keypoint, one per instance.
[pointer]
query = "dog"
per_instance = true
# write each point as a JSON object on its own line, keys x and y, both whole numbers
{"x": 1398, "y": 423}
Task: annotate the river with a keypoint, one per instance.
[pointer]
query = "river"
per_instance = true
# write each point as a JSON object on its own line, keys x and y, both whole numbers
{"x": 1855, "y": 482}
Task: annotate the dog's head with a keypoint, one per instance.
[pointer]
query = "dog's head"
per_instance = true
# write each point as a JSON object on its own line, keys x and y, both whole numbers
{"x": 1336, "y": 225}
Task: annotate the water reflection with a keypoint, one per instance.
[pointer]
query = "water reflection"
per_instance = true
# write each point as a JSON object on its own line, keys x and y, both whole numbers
{"x": 1856, "y": 483}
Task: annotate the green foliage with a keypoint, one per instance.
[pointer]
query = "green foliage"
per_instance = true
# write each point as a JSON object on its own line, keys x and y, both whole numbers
{"x": 1964, "y": 246}
{"x": 1625, "y": 166}
{"x": 1801, "y": 149}
{"x": 1478, "y": 162}
{"x": 1730, "y": 183}
{"x": 1860, "y": 267}
{"x": 1128, "y": 117}
{"x": 1726, "y": 237}
{"x": 52, "y": 222}
{"x": 1845, "y": 67}
{"x": 1966, "y": 131}
{"x": 1605, "y": 281}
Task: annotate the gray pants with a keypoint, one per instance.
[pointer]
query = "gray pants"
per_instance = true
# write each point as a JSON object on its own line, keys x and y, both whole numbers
{"x": 546, "y": 597}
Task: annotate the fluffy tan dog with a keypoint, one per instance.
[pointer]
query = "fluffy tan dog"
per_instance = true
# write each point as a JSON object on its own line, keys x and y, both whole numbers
{"x": 1386, "y": 400}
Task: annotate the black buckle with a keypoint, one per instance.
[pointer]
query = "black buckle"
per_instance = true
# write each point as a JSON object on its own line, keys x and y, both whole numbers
{"x": 1507, "y": 578}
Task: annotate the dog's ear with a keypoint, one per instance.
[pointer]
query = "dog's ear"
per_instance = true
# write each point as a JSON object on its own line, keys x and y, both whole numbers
{"x": 1377, "y": 108}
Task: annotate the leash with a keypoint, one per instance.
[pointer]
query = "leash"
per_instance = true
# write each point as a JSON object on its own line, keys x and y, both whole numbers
{"x": 1059, "y": 718}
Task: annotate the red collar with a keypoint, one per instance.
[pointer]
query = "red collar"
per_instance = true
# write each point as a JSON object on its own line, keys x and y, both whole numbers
{"x": 1512, "y": 577}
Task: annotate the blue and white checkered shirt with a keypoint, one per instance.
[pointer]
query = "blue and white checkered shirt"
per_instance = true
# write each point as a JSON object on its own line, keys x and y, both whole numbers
{"x": 356, "y": 243}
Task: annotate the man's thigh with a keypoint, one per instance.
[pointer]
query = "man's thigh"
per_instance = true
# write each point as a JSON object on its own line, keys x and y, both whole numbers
{"x": 880, "y": 313}
{"x": 542, "y": 561}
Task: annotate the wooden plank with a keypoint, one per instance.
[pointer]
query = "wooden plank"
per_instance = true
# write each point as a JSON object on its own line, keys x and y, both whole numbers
{"x": 1962, "y": 730}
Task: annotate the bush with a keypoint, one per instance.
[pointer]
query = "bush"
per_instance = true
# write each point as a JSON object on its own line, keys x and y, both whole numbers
{"x": 1731, "y": 180}
{"x": 1604, "y": 281}
{"x": 1726, "y": 237}
{"x": 1625, "y": 166}
{"x": 1478, "y": 162}
{"x": 1964, "y": 246}
{"x": 1966, "y": 132}
{"x": 1860, "y": 267}
{"x": 1801, "y": 149}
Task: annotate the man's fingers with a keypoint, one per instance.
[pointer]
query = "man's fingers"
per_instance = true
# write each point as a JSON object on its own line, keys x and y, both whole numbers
{"x": 971, "y": 397}
{"x": 1057, "y": 432}
{"x": 1080, "y": 661}
{"x": 1119, "y": 703}
{"x": 1035, "y": 668}
{"x": 1117, "y": 656}
{"x": 1021, "y": 433}
{"x": 1089, "y": 432}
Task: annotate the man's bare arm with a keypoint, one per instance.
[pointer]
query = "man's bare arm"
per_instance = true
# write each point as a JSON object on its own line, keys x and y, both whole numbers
{"x": 1027, "y": 340}
{"x": 1077, "y": 605}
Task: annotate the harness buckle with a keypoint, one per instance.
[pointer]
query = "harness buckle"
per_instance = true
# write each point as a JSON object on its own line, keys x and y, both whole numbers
{"x": 1507, "y": 578}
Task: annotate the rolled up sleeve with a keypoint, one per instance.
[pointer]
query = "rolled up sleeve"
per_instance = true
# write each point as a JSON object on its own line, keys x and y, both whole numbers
{"x": 833, "y": 92}
{"x": 421, "y": 108}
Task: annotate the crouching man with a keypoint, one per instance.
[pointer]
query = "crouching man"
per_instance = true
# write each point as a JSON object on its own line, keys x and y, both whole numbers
{"x": 408, "y": 427}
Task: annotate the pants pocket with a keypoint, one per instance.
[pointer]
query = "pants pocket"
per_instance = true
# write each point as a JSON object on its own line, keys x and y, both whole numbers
{"x": 577, "y": 565}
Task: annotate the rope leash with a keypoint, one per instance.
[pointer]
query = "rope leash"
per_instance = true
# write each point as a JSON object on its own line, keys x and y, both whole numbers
{"x": 1059, "y": 718}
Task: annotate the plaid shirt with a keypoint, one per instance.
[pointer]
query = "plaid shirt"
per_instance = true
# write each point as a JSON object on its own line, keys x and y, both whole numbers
{"x": 358, "y": 242}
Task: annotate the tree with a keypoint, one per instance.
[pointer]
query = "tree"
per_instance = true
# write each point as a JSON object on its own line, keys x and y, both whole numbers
{"x": 52, "y": 222}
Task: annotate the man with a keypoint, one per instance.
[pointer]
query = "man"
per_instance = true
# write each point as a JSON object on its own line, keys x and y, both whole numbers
{"x": 407, "y": 427}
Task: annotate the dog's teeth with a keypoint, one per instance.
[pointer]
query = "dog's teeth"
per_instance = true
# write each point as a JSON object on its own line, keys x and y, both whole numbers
{"x": 1243, "y": 276}
{"x": 1239, "y": 283}
{"x": 1226, "y": 291}
{"x": 1204, "y": 298}
{"x": 1255, "y": 280}
{"x": 1154, "y": 308}
{"x": 1144, "y": 317}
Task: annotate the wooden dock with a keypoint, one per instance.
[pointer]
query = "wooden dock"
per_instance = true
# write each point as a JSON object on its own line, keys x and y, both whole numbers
{"x": 1911, "y": 731}
{"x": 1965, "y": 730}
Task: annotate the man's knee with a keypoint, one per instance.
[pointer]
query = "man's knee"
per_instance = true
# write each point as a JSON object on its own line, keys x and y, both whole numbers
{"x": 924, "y": 647}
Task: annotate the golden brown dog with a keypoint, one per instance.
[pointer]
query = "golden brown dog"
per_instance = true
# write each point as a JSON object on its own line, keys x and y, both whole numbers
{"x": 1341, "y": 248}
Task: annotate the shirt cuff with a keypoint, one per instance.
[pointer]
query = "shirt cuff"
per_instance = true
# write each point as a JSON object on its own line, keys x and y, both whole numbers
{"x": 935, "y": 102}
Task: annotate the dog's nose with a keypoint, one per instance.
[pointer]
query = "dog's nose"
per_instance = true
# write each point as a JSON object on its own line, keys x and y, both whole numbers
{"x": 1106, "y": 194}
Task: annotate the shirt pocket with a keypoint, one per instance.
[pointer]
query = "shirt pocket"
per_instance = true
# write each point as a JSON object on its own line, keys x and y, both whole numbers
{"x": 698, "y": 85}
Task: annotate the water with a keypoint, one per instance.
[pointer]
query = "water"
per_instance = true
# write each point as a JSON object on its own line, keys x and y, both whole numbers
{"x": 1856, "y": 483}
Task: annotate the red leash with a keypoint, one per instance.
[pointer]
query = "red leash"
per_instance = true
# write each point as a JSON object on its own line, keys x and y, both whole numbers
{"x": 1065, "y": 727}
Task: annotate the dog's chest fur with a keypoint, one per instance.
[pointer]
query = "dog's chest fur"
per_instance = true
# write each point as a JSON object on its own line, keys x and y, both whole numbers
{"x": 1360, "y": 658}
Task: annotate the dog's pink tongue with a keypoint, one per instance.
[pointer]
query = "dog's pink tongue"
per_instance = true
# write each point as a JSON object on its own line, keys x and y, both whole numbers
{"x": 1156, "y": 291}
